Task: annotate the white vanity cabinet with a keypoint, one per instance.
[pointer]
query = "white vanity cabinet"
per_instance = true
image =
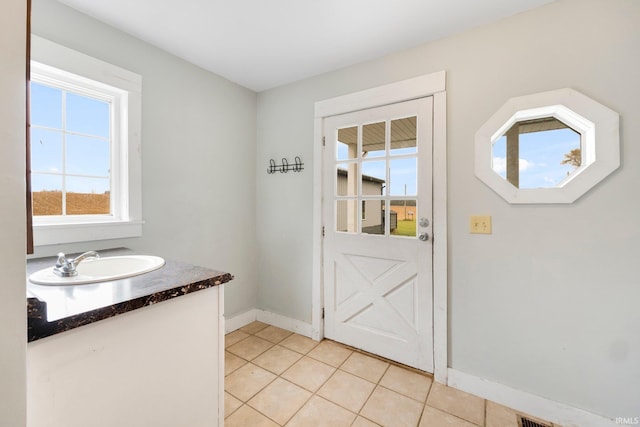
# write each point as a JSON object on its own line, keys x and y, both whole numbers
{"x": 157, "y": 366}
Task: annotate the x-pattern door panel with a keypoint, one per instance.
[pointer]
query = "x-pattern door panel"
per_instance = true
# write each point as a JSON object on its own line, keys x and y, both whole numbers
{"x": 377, "y": 273}
{"x": 371, "y": 297}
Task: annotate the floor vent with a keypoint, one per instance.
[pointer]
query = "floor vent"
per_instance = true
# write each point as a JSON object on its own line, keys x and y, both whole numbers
{"x": 527, "y": 422}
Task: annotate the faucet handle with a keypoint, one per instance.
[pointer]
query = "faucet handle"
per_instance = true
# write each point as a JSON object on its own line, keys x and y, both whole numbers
{"x": 62, "y": 259}
{"x": 67, "y": 267}
{"x": 82, "y": 257}
{"x": 64, "y": 267}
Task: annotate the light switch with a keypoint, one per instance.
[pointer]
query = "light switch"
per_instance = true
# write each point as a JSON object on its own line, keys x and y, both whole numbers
{"x": 480, "y": 224}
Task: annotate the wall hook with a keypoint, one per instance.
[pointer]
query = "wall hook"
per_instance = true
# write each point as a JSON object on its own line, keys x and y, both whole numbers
{"x": 285, "y": 166}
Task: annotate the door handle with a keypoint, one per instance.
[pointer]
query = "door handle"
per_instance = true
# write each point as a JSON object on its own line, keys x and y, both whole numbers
{"x": 423, "y": 237}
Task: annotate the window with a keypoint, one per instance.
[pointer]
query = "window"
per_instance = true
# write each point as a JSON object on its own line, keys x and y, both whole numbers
{"x": 71, "y": 148}
{"x": 377, "y": 164}
{"x": 85, "y": 147}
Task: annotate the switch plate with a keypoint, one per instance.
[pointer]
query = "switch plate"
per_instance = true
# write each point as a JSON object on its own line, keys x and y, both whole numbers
{"x": 480, "y": 224}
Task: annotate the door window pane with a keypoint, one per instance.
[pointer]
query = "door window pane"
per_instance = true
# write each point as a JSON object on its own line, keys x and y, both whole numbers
{"x": 374, "y": 177}
{"x": 373, "y": 140}
{"x": 403, "y": 136}
{"x": 347, "y": 144}
{"x": 374, "y": 221}
{"x": 346, "y": 181}
{"x": 404, "y": 223}
{"x": 403, "y": 177}
{"x": 346, "y": 215}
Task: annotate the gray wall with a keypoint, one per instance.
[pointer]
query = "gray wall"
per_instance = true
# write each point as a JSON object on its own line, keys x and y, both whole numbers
{"x": 198, "y": 153}
{"x": 548, "y": 303}
{"x": 12, "y": 214}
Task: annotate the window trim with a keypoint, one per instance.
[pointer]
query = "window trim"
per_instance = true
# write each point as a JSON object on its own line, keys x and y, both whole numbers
{"x": 56, "y": 61}
{"x": 118, "y": 100}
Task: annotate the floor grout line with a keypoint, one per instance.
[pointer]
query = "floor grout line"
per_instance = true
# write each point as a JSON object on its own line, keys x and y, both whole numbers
{"x": 300, "y": 408}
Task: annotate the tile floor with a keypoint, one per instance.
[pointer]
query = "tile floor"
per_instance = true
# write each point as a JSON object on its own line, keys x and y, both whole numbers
{"x": 276, "y": 378}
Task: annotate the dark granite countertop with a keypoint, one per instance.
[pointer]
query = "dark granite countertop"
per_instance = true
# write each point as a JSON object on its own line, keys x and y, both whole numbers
{"x": 55, "y": 309}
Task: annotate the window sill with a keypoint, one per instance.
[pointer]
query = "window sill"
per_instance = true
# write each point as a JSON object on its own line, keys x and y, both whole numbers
{"x": 52, "y": 234}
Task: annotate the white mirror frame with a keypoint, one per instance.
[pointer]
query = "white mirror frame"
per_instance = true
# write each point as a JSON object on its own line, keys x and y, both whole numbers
{"x": 600, "y": 142}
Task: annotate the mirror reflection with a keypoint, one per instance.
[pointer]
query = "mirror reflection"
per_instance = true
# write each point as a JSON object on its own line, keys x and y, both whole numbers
{"x": 538, "y": 153}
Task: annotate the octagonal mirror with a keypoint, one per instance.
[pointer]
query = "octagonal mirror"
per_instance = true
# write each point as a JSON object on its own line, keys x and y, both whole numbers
{"x": 550, "y": 147}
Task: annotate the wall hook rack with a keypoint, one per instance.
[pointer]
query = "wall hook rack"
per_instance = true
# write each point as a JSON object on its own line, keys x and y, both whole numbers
{"x": 285, "y": 166}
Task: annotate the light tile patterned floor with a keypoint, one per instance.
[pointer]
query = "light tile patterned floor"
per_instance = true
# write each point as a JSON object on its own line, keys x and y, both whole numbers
{"x": 277, "y": 378}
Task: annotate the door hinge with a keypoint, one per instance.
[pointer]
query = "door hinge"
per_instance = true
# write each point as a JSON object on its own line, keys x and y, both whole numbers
{"x": 324, "y": 141}
{"x": 323, "y": 312}
{"x": 323, "y": 231}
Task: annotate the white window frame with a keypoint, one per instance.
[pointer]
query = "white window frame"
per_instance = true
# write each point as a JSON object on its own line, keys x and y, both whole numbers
{"x": 72, "y": 70}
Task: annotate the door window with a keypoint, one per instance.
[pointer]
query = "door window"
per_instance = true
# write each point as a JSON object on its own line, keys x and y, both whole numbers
{"x": 377, "y": 178}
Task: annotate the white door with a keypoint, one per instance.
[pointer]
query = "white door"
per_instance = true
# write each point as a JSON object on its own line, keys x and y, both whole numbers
{"x": 377, "y": 213}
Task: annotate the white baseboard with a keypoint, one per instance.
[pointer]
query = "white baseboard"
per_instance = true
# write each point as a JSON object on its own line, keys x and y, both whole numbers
{"x": 293, "y": 325}
{"x": 239, "y": 320}
{"x": 287, "y": 323}
{"x": 559, "y": 413}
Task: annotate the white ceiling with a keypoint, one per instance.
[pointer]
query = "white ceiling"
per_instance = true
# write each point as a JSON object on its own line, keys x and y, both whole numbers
{"x": 261, "y": 44}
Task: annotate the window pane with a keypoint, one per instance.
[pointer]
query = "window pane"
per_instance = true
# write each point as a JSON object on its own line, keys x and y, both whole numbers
{"x": 347, "y": 144}
{"x": 346, "y": 184}
{"x": 346, "y": 215}
{"x": 46, "y": 193}
{"x": 405, "y": 217}
{"x": 87, "y": 115}
{"x": 87, "y": 185}
{"x": 373, "y": 178}
{"x": 374, "y": 221}
{"x": 373, "y": 140}
{"x": 403, "y": 174}
{"x": 46, "y": 106}
{"x": 403, "y": 136}
{"x": 86, "y": 196}
{"x": 88, "y": 156}
{"x": 46, "y": 151}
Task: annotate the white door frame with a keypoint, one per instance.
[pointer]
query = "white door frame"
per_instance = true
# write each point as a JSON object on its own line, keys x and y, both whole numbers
{"x": 418, "y": 87}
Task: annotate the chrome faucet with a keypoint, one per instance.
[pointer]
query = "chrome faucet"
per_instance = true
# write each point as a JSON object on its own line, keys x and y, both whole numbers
{"x": 67, "y": 267}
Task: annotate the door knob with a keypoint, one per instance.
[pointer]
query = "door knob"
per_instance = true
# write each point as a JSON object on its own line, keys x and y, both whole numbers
{"x": 423, "y": 237}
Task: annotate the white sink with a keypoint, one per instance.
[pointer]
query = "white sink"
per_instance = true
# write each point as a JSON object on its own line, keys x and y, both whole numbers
{"x": 100, "y": 270}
